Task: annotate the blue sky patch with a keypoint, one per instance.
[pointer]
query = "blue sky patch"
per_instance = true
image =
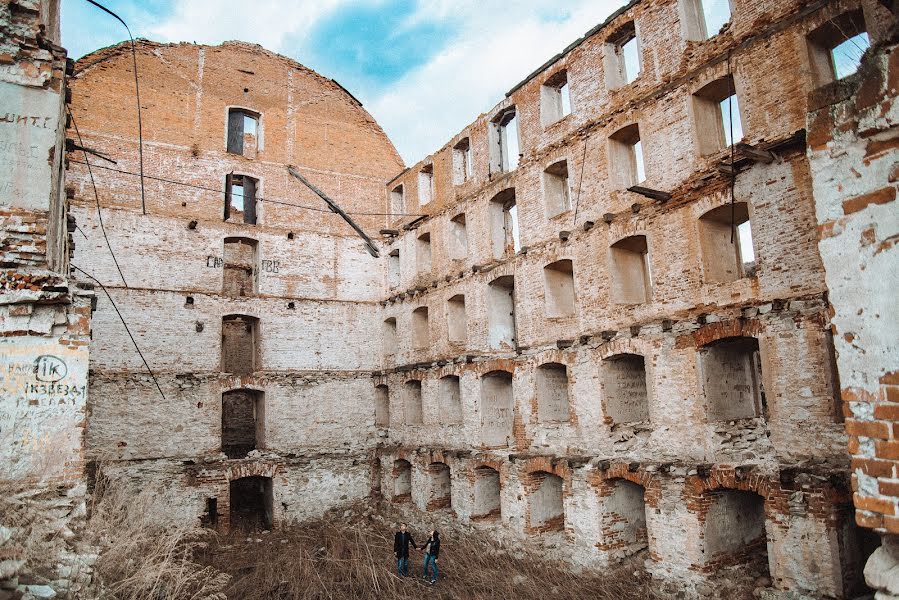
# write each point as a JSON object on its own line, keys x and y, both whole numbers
{"x": 371, "y": 46}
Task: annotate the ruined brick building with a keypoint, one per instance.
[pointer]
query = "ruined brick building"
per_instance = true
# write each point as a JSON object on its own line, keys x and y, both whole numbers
{"x": 590, "y": 320}
{"x": 44, "y": 315}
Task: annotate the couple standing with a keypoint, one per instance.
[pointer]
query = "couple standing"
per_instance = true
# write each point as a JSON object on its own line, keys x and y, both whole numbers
{"x": 401, "y": 541}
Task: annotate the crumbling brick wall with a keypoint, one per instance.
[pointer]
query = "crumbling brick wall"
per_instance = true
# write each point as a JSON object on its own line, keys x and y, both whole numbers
{"x": 45, "y": 312}
{"x": 710, "y": 331}
{"x": 44, "y": 318}
{"x": 281, "y": 313}
{"x": 853, "y": 126}
{"x": 502, "y": 281}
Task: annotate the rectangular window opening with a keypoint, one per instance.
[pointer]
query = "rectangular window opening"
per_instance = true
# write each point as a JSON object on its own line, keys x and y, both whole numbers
{"x": 240, "y": 341}
{"x": 421, "y": 336}
{"x": 393, "y": 268}
{"x": 239, "y": 272}
{"x": 505, "y": 150}
{"x": 555, "y": 99}
{"x": 558, "y": 280}
{"x": 240, "y": 199}
{"x": 716, "y": 115}
{"x": 626, "y": 153}
{"x": 501, "y": 313}
{"x": 413, "y": 413}
{"x": 456, "y": 319}
{"x": 242, "y": 422}
{"x": 621, "y": 58}
{"x": 725, "y": 241}
{"x": 462, "y": 161}
{"x": 450, "y": 407}
{"x": 243, "y": 132}
{"x": 631, "y": 282}
{"x": 423, "y": 253}
{"x": 504, "y": 232}
{"x": 426, "y": 185}
{"x": 397, "y": 201}
{"x": 836, "y": 47}
{"x": 552, "y": 393}
{"x": 556, "y": 190}
{"x": 390, "y": 339}
{"x": 732, "y": 379}
{"x": 382, "y": 406}
{"x": 459, "y": 236}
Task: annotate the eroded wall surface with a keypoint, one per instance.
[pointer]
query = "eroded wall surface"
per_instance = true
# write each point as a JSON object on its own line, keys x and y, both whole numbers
{"x": 739, "y": 409}
{"x": 44, "y": 317}
{"x": 278, "y": 314}
{"x": 548, "y": 353}
{"x": 855, "y": 167}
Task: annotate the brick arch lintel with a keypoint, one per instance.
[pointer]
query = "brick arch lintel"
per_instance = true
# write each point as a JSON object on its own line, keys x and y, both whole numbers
{"x": 252, "y": 469}
{"x": 547, "y": 464}
{"x": 719, "y": 331}
{"x": 622, "y": 345}
{"x": 725, "y": 478}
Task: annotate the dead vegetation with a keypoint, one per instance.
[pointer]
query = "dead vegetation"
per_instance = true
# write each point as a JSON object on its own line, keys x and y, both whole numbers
{"x": 335, "y": 558}
{"x": 141, "y": 559}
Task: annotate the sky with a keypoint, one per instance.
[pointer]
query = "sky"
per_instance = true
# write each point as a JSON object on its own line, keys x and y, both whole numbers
{"x": 424, "y": 69}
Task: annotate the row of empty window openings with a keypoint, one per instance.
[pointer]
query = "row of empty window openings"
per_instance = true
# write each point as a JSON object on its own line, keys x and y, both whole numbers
{"x": 727, "y": 255}
{"x": 734, "y": 521}
{"x": 725, "y": 241}
{"x": 835, "y": 50}
{"x": 718, "y": 122}
{"x": 730, "y": 372}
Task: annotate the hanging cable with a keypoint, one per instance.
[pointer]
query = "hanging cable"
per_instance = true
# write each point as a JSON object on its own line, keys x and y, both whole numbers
{"x": 577, "y": 200}
{"x": 258, "y": 199}
{"x": 140, "y": 132}
{"x": 96, "y": 197}
{"x": 127, "y": 330}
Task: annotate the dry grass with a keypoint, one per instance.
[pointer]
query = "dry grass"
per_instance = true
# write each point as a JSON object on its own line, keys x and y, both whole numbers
{"x": 333, "y": 559}
{"x": 143, "y": 560}
{"x": 330, "y": 558}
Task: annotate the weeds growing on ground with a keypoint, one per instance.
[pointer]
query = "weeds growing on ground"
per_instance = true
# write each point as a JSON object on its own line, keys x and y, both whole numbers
{"x": 142, "y": 559}
{"x": 332, "y": 558}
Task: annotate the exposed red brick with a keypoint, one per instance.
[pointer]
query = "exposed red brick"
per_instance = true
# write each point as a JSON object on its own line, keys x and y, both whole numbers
{"x": 881, "y": 196}
{"x": 871, "y": 429}
{"x": 874, "y": 504}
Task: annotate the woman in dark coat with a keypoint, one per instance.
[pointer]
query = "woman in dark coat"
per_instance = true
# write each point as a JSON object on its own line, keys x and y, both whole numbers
{"x": 432, "y": 551}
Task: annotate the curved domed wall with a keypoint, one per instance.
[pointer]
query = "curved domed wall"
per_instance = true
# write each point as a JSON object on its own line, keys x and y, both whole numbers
{"x": 254, "y": 305}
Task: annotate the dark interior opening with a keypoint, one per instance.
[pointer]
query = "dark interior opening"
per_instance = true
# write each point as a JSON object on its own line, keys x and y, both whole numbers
{"x": 251, "y": 503}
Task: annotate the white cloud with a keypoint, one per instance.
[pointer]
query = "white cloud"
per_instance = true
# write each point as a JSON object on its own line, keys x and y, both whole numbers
{"x": 495, "y": 48}
{"x": 265, "y": 22}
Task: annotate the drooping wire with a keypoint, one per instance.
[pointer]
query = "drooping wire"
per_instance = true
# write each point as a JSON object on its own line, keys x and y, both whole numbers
{"x": 96, "y": 196}
{"x": 127, "y": 330}
{"x": 140, "y": 132}
{"x": 577, "y": 200}
{"x": 258, "y": 198}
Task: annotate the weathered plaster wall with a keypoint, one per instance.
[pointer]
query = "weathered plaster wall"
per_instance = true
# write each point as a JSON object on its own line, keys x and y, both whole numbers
{"x": 853, "y": 128}
{"x": 324, "y": 311}
{"x": 789, "y": 455}
{"x": 307, "y": 336}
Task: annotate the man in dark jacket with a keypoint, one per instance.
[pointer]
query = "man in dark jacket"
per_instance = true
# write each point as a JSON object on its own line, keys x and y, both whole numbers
{"x": 401, "y": 541}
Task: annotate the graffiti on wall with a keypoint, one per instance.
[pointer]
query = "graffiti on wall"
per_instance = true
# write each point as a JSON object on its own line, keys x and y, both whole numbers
{"x": 28, "y": 134}
{"x": 43, "y": 392}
